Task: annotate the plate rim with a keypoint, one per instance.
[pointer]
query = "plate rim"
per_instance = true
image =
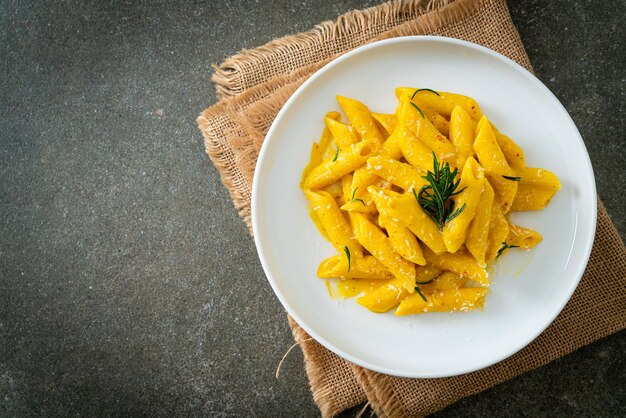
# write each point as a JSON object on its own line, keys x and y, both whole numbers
{"x": 262, "y": 162}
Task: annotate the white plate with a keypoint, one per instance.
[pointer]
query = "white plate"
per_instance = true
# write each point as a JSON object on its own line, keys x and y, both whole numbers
{"x": 529, "y": 288}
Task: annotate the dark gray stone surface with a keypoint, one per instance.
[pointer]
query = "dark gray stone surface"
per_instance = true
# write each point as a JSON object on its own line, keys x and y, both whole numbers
{"x": 128, "y": 284}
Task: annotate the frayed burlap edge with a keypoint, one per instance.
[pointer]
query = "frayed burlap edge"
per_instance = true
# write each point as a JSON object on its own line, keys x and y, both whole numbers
{"x": 326, "y": 35}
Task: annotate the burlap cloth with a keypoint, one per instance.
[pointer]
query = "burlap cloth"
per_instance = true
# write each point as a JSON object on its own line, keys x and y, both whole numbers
{"x": 254, "y": 85}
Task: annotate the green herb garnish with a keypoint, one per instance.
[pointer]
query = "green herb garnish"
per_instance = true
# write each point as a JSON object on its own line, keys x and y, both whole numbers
{"x": 512, "y": 178}
{"x": 347, "y": 251}
{"x": 352, "y": 199}
{"x": 419, "y": 292}
{"x": 426, "y": 282}
{"x": 437, "y": 202}
{"x": 504, "y": 247}
{"x": 336, "y": 155}
{"x": 418, "y": 90}
{"x": 418, "y": 109}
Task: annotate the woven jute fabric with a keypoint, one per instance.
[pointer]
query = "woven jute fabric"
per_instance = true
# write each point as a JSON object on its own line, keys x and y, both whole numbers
{"x": 255, "y": 84}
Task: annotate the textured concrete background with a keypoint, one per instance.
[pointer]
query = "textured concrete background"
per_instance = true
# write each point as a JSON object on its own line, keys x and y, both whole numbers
{"x": 128, "y": 284}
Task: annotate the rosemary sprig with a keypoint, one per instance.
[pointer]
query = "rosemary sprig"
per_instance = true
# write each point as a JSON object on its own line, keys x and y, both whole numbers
{"x": 336, "y": 154}
{"x": 418, "y": 90}
{"x": 419, "y": 292}
{"x": 437, "y": 202}
{"x": 512, "y": 178}
{"x": 352, "y": 199}
{"x": 347, "y": 251}
{"x": 504, "y": 247}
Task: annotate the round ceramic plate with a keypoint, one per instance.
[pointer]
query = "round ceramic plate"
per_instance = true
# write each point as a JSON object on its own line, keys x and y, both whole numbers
{"x": 529, "y": 288}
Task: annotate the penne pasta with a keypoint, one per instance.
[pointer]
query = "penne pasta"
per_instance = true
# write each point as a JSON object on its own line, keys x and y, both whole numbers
{"x": 522, "y": 237}
{"x": 497, "y": 233}
{"x": 462, "y": 134}
{"x": 360, "y": 200}
{"x": 416, "y": 153}
{"x": 477, "y": 238}
{"x": 343, "y": 134}
{"x": 400, "y": 174}
{"x": 387, "y": 121}
{"x": 360, "y": 118}
{"x": 441, "y": 102}
{"x": 414, "y": 119}
{"x": 377, "y": 243}
{"x": 466, "y": 202}
{"x": 402, "y": 240}
{"x": 462, "y": 300}
{"x": 366, "y": 268}
{"x": 416, "y": 202}
{"x": 512, "y": 152}
{"x": 385, "y": 297}
{"x": 332, "y": 170}
{"x": 439, "y": 122}
{"x": 389, "y": 295}
{"x": 460, "y": 263}
{"x": 318, "y": 150}
{"x": 405, "y": 208}
{"x": 496, "y": 167}
{"x": 334, "y": 223}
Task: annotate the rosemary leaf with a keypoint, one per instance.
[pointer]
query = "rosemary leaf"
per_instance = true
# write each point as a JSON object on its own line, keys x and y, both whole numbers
{"x": 504, "y": 247}
{"x": 352, "y": 199}
{"x": 455, "y": 214}
{"x": 419, "y": 292}
{"x": 418, "y": 109}
{"x": 435, "y": 197}
{"x": 347, "y": 251}
{"x": 418, "y": 90}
